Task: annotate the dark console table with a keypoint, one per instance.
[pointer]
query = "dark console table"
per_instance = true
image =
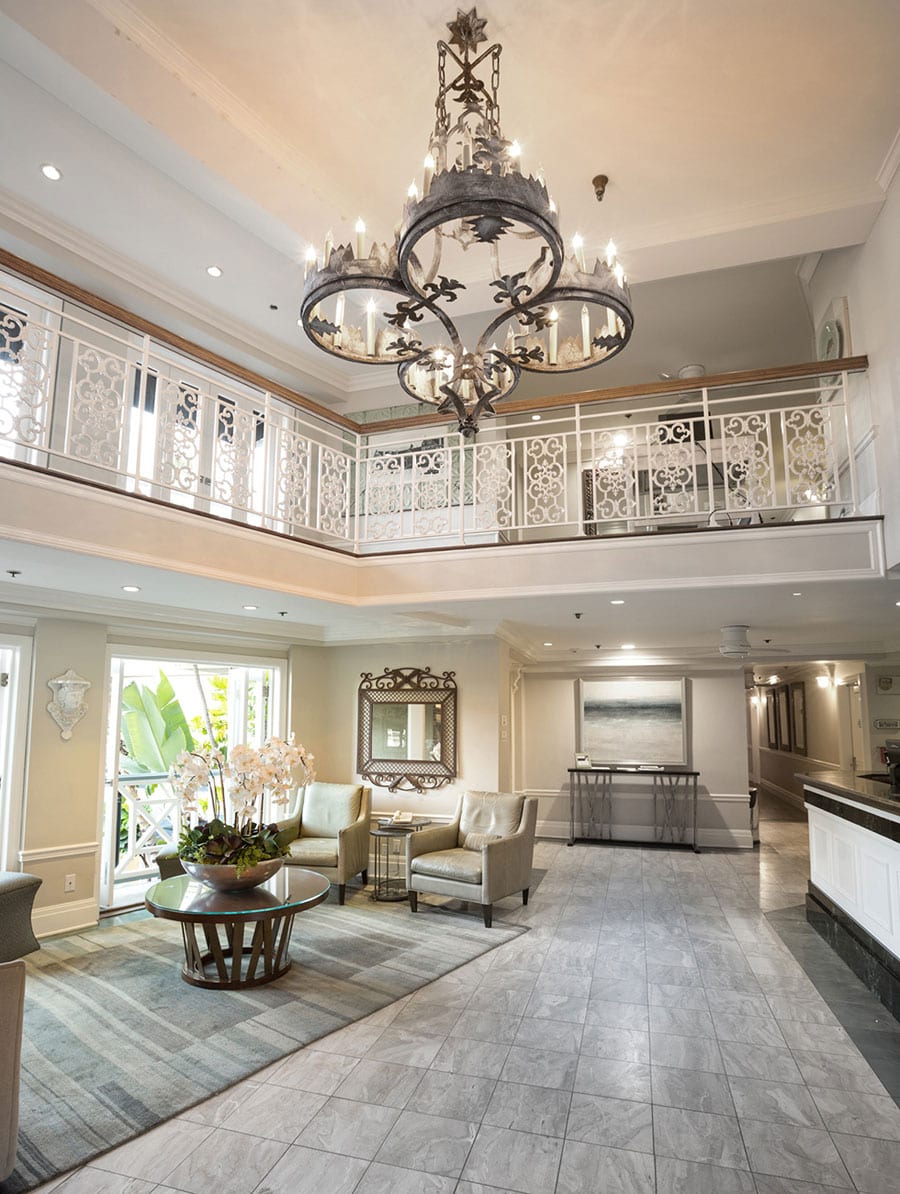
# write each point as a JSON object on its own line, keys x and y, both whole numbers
{"x": 674, "y": 794}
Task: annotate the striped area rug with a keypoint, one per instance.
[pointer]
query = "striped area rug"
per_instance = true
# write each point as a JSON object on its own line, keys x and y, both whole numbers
{"x": 115, "y": 1042}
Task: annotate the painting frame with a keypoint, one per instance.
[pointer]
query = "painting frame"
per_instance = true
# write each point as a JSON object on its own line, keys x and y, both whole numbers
{"x": 783, "y": 710}
{"x": 613, "y": 716}
{"x": 771, "y": 719}
{"x": 798, "y": 717}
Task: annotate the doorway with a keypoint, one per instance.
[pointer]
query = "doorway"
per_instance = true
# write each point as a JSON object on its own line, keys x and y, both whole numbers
{"x": 160, "y": 706}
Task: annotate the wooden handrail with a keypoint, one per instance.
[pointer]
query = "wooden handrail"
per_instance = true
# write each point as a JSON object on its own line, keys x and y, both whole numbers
{"x": 745, "y": 377}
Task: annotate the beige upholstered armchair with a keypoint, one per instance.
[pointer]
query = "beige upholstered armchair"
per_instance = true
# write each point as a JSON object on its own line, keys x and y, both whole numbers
{"x": 330, "y": 828}
{"x": 484, "y": 855}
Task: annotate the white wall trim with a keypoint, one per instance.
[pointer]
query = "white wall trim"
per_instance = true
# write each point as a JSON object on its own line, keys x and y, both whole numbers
{"x": 711, "y": 838}
{"x": 49, "y": 853}
{"x": 64, "y": 918}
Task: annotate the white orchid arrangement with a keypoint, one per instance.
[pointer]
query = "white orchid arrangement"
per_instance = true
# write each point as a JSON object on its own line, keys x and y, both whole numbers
{"x": 225, "y": 794}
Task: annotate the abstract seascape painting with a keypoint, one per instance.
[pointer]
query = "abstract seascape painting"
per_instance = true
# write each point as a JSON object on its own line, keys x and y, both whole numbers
{"x": 633, "y": 721}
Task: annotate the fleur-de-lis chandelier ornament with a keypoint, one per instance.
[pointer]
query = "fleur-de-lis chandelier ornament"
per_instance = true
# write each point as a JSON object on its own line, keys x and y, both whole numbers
{"x": 387, "y": 304}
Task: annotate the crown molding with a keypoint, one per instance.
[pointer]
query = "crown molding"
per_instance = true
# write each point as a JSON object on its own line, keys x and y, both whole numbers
{"x": 890, "y": 165}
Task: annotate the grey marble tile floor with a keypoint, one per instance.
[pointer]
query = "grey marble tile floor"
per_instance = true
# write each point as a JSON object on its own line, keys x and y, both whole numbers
{"x": 669, "y": 1024}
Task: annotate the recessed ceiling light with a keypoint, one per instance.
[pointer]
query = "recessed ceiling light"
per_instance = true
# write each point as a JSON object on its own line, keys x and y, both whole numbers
{"x": 617, "y": 601}
{"x": 131, "y": 588}
{"x": 548, "y": 644}
{"x": 214, "y": 271}
{"x": 897, "y": 603}
{"x": 796, "y": 594}
{"x": 535, "y": 418}
{"x": 251, "y": 607}
{"x": 628, "y": 646}
{"x": 51, "y": 172}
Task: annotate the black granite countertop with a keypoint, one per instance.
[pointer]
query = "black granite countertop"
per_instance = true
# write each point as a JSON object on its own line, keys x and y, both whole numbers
{"x": 864, "y": 791}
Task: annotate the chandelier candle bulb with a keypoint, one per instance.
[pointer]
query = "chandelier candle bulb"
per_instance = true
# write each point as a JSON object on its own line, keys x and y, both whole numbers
{"x": 610, "y": 254}
{"x": 329, "y": 245}
{"x": 578, "y": 246}
{"x": 360, "y": 238}
{"x": 620, "y": 274}
{"x": 585, "y": 332}
{"x": 413, "y": 191}
{"x": 310, "y": 262}
{"x": 429, "y": 175}
{"x": 339, "y": 320}
{"x": 554, "y": 335}
{"x": 370, "y": 328}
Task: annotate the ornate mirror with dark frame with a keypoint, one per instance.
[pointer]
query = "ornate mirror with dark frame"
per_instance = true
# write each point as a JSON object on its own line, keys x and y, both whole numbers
{"x": 407, "y": 729}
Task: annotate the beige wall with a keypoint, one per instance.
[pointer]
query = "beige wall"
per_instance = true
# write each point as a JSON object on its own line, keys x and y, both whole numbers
{"x": 337, "y": 676}
{"x": 64, "y": 779}
{"x": 718, "y": 750}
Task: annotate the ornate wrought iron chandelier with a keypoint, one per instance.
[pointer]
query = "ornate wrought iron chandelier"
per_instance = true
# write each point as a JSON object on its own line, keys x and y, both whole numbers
{"x": 555, "y": 315}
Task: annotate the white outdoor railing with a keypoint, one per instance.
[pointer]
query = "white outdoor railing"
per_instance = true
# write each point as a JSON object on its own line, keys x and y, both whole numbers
{"x": 88, "y": 397}
{"x": 143, "y": 817}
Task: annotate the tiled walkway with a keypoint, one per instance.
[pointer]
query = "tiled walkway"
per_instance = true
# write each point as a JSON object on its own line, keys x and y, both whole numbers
{"x": 652, "y": 1031}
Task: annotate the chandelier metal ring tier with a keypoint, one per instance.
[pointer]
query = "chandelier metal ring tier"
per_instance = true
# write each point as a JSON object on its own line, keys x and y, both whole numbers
{"x": 555, "y": 315}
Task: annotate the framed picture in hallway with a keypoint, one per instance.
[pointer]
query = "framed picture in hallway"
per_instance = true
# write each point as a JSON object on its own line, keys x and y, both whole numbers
{"x": 771, "y": 719}
{"x": 798, "y": 717}
{"x": 783, "y": 712}
{"x": 633, "y": 721}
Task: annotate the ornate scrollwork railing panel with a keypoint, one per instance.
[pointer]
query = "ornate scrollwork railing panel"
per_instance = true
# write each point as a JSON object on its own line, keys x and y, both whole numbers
{"x": 545, "y": 467}
{"x": 492, "y": 486}
{"x": 672, "y": 467}
{"x": 810, "y": 462}
{"x": 747, "y": 461}
{"x": 334, "y": 492}
{"x": 98, "y": 407}
{"x": 27, "y": 353}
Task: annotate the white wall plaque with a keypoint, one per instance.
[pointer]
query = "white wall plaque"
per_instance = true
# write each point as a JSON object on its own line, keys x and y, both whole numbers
{"x": 69, "y": 702}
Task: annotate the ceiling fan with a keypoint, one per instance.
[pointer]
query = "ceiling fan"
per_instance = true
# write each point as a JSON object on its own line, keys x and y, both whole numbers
{"x": 734, "y": 643}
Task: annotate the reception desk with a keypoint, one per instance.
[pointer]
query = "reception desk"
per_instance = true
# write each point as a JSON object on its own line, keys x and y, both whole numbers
{"x": 672, "y": 791}
{"x": 854, "y": 886}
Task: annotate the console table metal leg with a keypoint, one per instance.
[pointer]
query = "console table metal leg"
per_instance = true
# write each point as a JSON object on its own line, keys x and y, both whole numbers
{"x": 694, "y": 845}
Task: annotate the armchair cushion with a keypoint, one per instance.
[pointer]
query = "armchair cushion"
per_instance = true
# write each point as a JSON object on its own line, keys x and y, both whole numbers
{"x": 475, "y": 841}
{"x": 314, "y": 851}
{"x": 328, "y": 808}
{"x": 462, "y": 866}
{"x": 494, "y": 813}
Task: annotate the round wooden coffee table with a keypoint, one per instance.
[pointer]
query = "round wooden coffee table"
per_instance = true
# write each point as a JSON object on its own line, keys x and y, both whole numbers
{"x": 213, "y": 924}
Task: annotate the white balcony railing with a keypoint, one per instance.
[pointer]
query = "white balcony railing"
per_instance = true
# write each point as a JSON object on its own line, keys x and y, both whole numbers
{"x": 88, "y": 397}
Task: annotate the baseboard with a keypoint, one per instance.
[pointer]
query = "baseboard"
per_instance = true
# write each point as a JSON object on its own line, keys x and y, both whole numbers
{"x": 64, "y": 918}
{"x": 782, "y": 793}
{"x": 729, "y": 839}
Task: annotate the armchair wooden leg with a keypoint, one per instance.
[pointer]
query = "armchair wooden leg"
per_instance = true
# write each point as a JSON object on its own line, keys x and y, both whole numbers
{"x": 365, "y": 877}
{"x": 414, "y": 901}
{"x": 525, "y": 896}
{"x": 342, "y": 891}
{"x": 488, "y": 910}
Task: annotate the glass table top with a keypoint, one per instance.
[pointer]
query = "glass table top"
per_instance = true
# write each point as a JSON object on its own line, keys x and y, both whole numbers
{"x": 291, "y": 890}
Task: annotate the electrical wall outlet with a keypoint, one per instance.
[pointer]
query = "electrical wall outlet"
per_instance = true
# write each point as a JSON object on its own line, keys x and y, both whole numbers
{"x": 69, "y": 884}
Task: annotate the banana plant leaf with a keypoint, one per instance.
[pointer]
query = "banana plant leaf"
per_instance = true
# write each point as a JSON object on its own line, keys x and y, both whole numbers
{"x": 154, "y": 728}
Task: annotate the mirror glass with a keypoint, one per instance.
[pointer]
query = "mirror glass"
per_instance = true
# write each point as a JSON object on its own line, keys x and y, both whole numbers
{"x": 407, "y": 728}
{"x": 401, "y": 731}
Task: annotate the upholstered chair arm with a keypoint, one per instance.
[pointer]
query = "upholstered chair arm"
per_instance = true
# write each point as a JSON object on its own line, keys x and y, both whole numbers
{"x": 288, "y": 829}
{"x": 353, "y": 841}
{"x": 506, "y": 862}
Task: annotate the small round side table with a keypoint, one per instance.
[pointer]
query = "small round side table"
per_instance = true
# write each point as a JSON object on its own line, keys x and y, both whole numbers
{"x": 390, "y": 857}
